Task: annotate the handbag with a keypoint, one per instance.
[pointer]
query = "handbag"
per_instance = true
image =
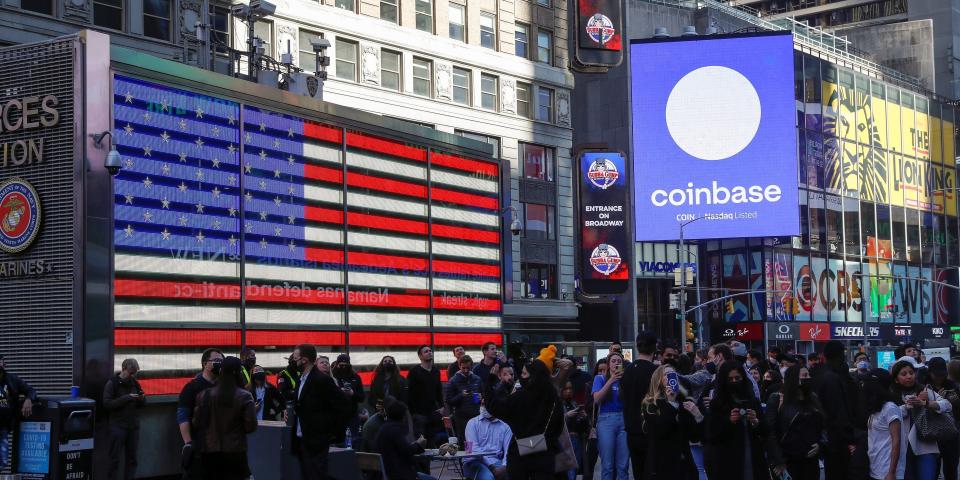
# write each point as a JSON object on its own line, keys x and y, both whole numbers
{"x": 566, "y": 458}
{"x": 935, "y": 426}
{"x": 535, "y": 443}
{"x": 593, "y": 424}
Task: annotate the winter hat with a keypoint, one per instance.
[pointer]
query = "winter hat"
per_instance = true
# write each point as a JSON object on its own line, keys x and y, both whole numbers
{"x": 547, "y": 355}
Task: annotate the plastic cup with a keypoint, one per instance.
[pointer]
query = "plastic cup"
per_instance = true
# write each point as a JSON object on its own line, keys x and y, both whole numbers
{"x": 74, "y": 391}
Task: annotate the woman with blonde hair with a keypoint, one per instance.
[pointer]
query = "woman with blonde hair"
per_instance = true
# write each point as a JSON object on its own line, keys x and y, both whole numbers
{"x": 671, "y": 421}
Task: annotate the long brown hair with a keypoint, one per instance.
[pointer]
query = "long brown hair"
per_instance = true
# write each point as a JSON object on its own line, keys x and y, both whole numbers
{"x": 610, "y": 366}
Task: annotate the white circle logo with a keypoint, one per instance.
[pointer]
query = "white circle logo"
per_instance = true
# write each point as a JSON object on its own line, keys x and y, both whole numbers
{"x": 713, "y": 113}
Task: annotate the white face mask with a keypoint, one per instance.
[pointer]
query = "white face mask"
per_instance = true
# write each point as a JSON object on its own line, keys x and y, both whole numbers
{"x": 484, "y": 413}
{"x": 748, "y": 364}
{"x": 783, "y": 372}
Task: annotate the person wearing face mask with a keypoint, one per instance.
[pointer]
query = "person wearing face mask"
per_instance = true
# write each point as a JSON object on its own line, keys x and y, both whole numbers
{"x": 912, "y": 396}
{"x": 837, "y": 392}
{"x": 321, "y": 413}
{"x": 287, "y": 381}
{"x": 266, "y": 397}
{"x": 225, "y": 415}
{"x": 946, "y": 388}
{"x": 862, "y": 364}
{"x": 387, "y": 381}
{"x": 734, "y": 434}
{"x": 770, "y": 383}
{"x": 795, "y": 426}
{"x": 211, "y": 361}
{"x": 490, "y": 436}
{"x": 672, "y": 423}
{"x": 122, "y": 399}
{"x": 248, "y": 360}
{"x": 351, "y": 386}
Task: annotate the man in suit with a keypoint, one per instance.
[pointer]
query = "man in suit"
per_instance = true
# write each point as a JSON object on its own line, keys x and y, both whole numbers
{"x": 319, "y": 413}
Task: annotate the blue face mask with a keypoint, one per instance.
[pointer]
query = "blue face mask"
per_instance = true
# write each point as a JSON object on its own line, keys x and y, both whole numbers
{"x": 863, "y": 365}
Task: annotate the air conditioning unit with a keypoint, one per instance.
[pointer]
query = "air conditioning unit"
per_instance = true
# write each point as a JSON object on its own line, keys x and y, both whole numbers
{"x": 268, "y": 77}
{"x": 306, "y": 84}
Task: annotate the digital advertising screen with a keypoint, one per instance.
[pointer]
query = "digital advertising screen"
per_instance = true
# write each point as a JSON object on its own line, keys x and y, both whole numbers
{"x": 714, "y": 137}
{"x": 605, "y": 243}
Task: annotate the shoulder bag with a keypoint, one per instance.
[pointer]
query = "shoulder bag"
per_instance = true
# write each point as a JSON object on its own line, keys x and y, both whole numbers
{"x": 935, "y": 426}
{"x": 535, "y": 443}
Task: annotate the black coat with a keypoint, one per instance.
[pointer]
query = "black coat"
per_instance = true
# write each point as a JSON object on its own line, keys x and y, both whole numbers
{"x": 322, "y": 410}
{"x": 792, "y": 430}
{"x": 725, "y": 443}
{"x": 837, "y": 391}
{"x": 530, "y": 411}
{"x": 118, "y": 402}
{"x": 633, "y": 387}
{"x": 14, "y": 387}
{"x": 273, "y": 404}
{"x": 356, "y": 385}
{"x": 669, "y": 432}
{"x": 394, "y": 444}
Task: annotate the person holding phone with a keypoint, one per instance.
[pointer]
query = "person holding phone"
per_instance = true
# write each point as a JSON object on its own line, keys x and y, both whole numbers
{"x": 123, "y": 398}
{"x": 795, "y": 422}
{"x": 671, "y": 421}
{"x": 733, "y": 432}
{"x": 922, "y": 462}
{"x": 611, "y": 433}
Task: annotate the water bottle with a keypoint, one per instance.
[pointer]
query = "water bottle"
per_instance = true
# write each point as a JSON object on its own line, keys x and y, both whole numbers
{"x": 348, "y": 443}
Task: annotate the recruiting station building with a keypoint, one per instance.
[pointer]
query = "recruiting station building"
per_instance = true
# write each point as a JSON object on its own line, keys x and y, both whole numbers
{"x": 241, "y": 216}
{"x": 871, "y": 251}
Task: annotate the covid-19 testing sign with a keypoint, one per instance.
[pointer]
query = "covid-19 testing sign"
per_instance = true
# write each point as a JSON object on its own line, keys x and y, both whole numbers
{"x": 714, "y": 136}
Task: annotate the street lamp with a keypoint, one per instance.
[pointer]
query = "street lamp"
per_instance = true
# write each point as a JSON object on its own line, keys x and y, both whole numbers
{"x": 683, "y": 288}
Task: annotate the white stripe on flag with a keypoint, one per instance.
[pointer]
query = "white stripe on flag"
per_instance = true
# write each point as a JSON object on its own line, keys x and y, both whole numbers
{"x": 326, "y": 235}
{"x": 273, "y": 316}
{"x": 441, "y": 176}
{"x": 176, "y": 266}
{"x": 292, "y": 274}
{"x": 383, "y": 204}
{"x": 371, "y": 162}
{"x": 381, "y": 319}
{"x": 320, "y": 153}
{"x": 466, "y": 321}
{"x": 322, "y": 194}
{"x": 466, "y": 251}
{"x": 386, "y": 242}
{"x": 469, "y": 286}
{"x": 387, "y": 281}
{"x": 457, "y": 215}
{"x": 125, "y": 313}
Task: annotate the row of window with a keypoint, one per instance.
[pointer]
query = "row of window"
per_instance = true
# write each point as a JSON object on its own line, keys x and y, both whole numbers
{"x": 347, "y": 68}
{"x": 157, "y": 15}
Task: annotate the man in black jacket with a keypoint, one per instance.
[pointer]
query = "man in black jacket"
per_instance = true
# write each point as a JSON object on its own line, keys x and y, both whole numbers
{"x": 320, "y": 414}
{"x": 633, "y": 387}
{"x": 122, "y": 398}
{"x": 393, "y": 443}
{"x": 425, "y": 393}
{"x": 836, "y": 390}
{"x": 11, "y": 387}
{"x": 351, "y": 386}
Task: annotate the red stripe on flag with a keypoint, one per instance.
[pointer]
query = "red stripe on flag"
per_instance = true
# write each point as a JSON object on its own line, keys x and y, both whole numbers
{"x": 164, "y": 337}
{"x": 322, "y": 132}
{"x": 387, "y": 223}
{"x": 325, "y": 215}
{"x": 323, "y": 255}
{"x": 464, "y": 302}
{"x": 360, "y": 298}
{"x": 470, "y": 200}
{"x": 463, "y": 233}
{"x": 371, "y": 339}
{"x": 325, "y": 174}
{"x": 466, "y": 339}
{"x": 163, "y": 386}
{"x": 465, "y": 164}
{"x": 180, "y": 290}
{"x": 286, "y": 338}
{"x": 382, "y": 145}
{"x": 385, "y": 185}
{"x": 387, "y": 261}
{"x": 468, "y": 268}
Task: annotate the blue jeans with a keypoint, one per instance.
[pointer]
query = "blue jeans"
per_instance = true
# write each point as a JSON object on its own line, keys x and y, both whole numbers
{"x": 925, "y": 467}
{"x": 612, "y": 443}
{"x": 4, "y": 448}
{"x": 578, "y": 452}
{"x": 424, "y": 476}
{"x": 477, "y": 470}
{"x": 697, "y": 451}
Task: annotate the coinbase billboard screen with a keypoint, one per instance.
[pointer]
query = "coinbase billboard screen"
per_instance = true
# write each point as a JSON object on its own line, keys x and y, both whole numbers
{"x": 714, "y": 136}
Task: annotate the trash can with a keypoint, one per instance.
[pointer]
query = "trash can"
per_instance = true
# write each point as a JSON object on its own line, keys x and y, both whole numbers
{"x": 56, "y": 442}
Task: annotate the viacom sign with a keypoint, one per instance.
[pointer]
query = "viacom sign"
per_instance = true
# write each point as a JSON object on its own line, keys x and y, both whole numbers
{"x": 714, "y": 137}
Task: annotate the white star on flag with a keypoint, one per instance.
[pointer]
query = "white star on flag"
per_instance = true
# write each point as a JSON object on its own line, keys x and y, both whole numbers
{"x": 146, "y": 151}
{"x": 199, "y": 112}
{"x": 165, "y": 234}
{"x": 147, "y": 182}
{"x": 165, "y": 136}
{"x": 128, "y": 97}
{"x": 263, "y": 243}
{"x": 183, "y": 187}
{"x": 128, "y": 199}
{"x": 128, "y": 232}
{"x": 199, "y": 207}
{"x": 128, "y": 129}
{"x": 263, "y": 215}
{"x": 200, "y": 237}
{"x": 165, "y": 203}
{"x": 147, "y": 216}
{"x": 233, "y": 240}
{"x": 216, "y": 192}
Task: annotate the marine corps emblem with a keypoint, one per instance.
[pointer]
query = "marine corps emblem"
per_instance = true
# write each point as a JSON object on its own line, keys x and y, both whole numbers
{"x": 19, "y": 215}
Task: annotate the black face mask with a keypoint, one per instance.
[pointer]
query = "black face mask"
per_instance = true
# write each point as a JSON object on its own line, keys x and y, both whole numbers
{"x": 711, "y": 368}
{"x": 670, "y": 361}
{"x": 260, "y": 377}
{"x": 217, "y": 365}
{"x": 734, "y": 384}
{"x": 292, "y": 364}
{"x": 389, "y": 367}
{"x": 524, "y": 382}
{"x": 806, "y": 382}
{"x": 249, "y": 364}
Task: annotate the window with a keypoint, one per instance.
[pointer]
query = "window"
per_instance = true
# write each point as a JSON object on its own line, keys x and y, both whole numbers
{"x": 424, "y": 15}
{"x": 544, "y": 104}
{"x": 263, "y": 30}
{"x": 521, "y": 40}
{"x": 388, "y": 10}
{"x": 488, "y": 91}
{"x": 457, "y": 28}
{"x": 461, "y": 86}
{"x": 539, "y": 221}
{"x": 422, "y": 77}
{"x": 308, "y": 59}
{"x": 346, "y": 60}
{"x": 523, "y": 100}
{"x": 39, "y": 6}
{"x": 544, "y": 3}
{"x": 156, "y": 19}
{"x": 390, "y": 70}
{"x": 544, "y": 45}
{"x": 346, "y": 5}
{"x": 488, "y": 30}
{"x": 538, "y": 280}
{"x": 495, "y": 141}
{"x": 108, "y": 14}
{"x": 220, "y": 37}
{"x": 537, "y": 162}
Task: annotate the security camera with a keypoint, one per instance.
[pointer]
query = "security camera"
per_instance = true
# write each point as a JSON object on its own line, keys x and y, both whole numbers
{"x": 516, "y": 226}
{"x": 239, "y": 10}
{"x": 112, "y": 162}
{"x": 320, "y": 44}
{"x": 262, "y": 8}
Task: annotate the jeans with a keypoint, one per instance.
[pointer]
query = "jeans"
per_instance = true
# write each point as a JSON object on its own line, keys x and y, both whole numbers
{"x": 577, "y": 452}
{"x": 313, "y": 465}
{"x": 922, "y": 467}
{"x": 477, "y": 470}
{"x": 424, "y": 476}
{"x": 123, "y": 451}
{"x": 612, "y": 443}
{"x": 950, "y": 451}
{"x": 4, "y": 448}
{"x": 697, "y": 451}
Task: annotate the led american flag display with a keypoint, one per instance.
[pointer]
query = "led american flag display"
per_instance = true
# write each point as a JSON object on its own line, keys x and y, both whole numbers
{"x": 235, "y": 224}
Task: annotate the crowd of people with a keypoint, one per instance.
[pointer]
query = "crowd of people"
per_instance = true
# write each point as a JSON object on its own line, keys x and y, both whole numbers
{"x": 723, "y": 413}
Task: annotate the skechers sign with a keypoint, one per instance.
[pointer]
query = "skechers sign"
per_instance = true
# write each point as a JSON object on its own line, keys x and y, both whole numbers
{"x": 604, "y": 241}
{"x": 714, "y": 137}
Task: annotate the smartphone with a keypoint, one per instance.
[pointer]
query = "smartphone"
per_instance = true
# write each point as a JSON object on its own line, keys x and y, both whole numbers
{"x": 673, "y": 381}
{"x": 619, "y": 369}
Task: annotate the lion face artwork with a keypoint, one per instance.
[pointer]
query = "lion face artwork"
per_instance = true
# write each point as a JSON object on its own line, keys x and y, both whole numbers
{"x": 849, "y": 121}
